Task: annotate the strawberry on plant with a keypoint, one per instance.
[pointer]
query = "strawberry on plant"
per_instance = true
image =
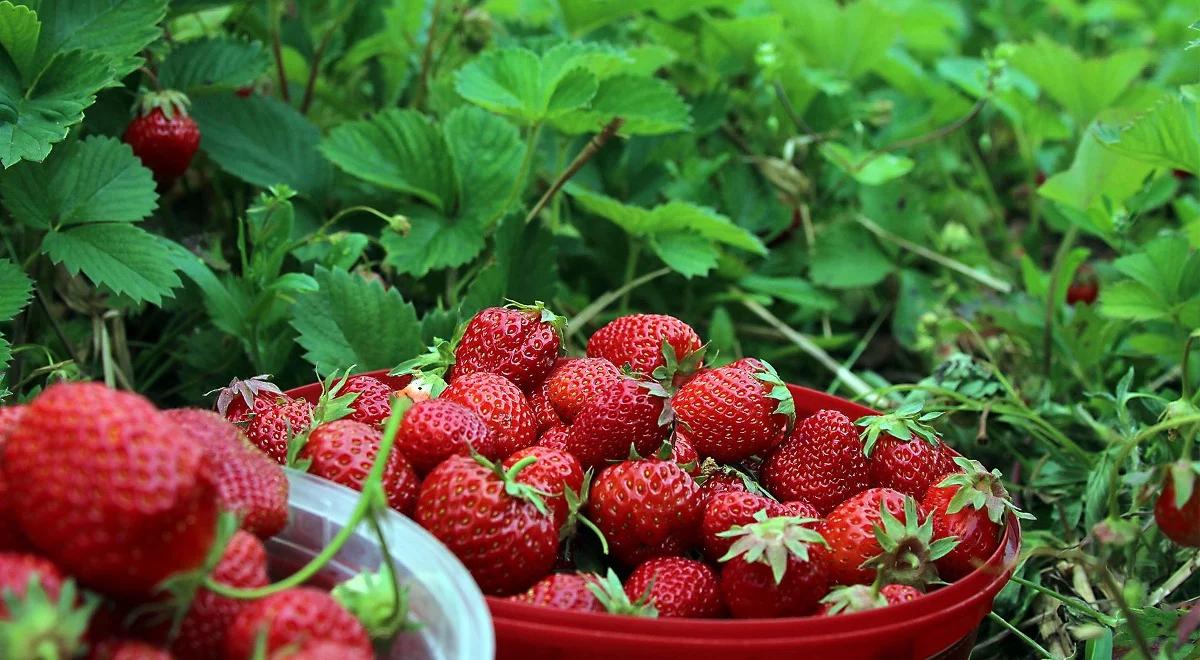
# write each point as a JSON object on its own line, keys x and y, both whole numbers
{"x": 519, "y": 342}
{"x": 630, "y": 412}
{"x": 436, "y": 429}
{"x": 495, "y": 521}
{"x": 969, "y": 506}
{"x": 248, "y": 484}
{"x": 861, "y": 597}
{"x": 776, "y": 567}
{"x": 142, "y": 482}
{"x": 203, "y": 630}
{"x": 275, "y": 422}
{"x": 576, "y": 383}
{"x": 502, "y": 406}
{"x": 637, "y": 341}
{"x": 676, "y": 587}
{"x": 1177, "y": 509}
{"x": 343, "y": 451}
{"x": 731, "y": 413}
{"x": 237, "y": 400}
{"x": 822, "y": 462}
{"x": 563, "y": 591}
{"x": 296, "y": 616}
{"x": 905, "y": 454}
{"x": 646, "y": 508}
{"x": 163, "y": 136}
{"x": 373, "y": 403}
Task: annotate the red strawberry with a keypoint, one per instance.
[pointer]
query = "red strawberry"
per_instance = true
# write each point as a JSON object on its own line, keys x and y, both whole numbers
{"x": 108, "y": 488}
{"x": 240, "y": 397}
{"x": 128, "y": 649}
{"x": 9, "y": 417}
{"x": 637, "y": 341}
{"x": 646, "y": 508}
{"x": 731, "y": 413}
{"x": 730, "y": 509}
{"x": 518, "y": 342}
{"x": 683, "y": 453}
{"x": 554, "y": 437}
{"x": 554, "y": 472}
{"x": 202, "y": 631}
{"x": 300, "y": 615}
{"x": 630, "y": 412}
{"x": 969, "y": 506}
{"x": 539, "y": 401}
{"x": 492, "y": 519}
{"x": 248, "y": 483}
{"x": 373, "y": 403}
{"x": 563, "y": 591}
{"x": 911, "y": 465}
{"x": 903, "y": 548}
{"x": 323, "y": 650}
{"x": 1177, "y": 511}
{"x": 276, "y": 421}
{"x": 822, "y": 462}
{"x": 576, "y": 383}
{"x": 861, "y": 597}
{"x": 676, "y": 587}
{"x": 11, "y": 537}
{"x": 748, "y": 364}
{"x": 435, "y": 429}
{"x": 776, "y": 568}
{"x": 501, "y": 405}
{"x": 18, "y": 569}
{"x": 163, "y": 136}
{"x": 343, "y": 451}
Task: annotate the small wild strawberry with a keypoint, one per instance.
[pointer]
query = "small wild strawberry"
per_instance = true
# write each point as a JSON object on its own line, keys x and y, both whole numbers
{"x": 1177, "y": 509}
{"x": 163, "y": 136}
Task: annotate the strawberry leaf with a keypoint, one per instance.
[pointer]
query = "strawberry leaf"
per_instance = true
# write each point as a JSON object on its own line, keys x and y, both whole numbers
{"x": 519, "y": 83}
{"x": 213, "y": 64}
{"x": 119, "y": 256}
{"x": 15, "y": 289}
{"x": 649, "y": 106}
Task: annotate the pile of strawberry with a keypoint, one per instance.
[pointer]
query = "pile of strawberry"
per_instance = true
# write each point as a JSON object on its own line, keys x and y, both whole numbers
{"x": 119, "y": 523}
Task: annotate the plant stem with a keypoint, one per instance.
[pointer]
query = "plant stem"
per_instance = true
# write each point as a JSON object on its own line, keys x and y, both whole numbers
{"x": 607, "y": 298}
{"x": 1052, "y": 298}
{"x": 426, "y": 57}
{"x": 311, "y": 84}
{"x": 973, "y": 273}
{"x": 1127, "y": 449}
{"x": 1185, "y": 381}
{"x": 514, "y": 195}
{"x": 584, "y": 156}
{"x": 935, "y": 134}
{"x": 1072, "y": 603}
{"x": 1017, "y": 631}
{"x": 41, "y": 298}
{"x": 276, "y": 8}
{"x": 631, "y": 259}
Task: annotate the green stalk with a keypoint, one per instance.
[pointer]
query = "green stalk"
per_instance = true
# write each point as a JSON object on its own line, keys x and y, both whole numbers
{"x": 1042, "y": 652}
{"x": 1127, "y": 449}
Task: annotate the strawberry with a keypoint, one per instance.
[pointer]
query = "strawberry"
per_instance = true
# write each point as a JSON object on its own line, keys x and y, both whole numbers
{"x": 237, "y": 400}
{"x": 1084, "y": 288}
{"x": 822, "y": 462}
{"x": 861, "y": 597}
{"x": 731, "y": 413}
{"x": 18, "y": 569}
{"x": 202, "y": 631}
{"x": 163, "y": 136}
{"x": 646, "y": 508}
{"x": 563, "y": 591}
{"x": 554, "y": 472}
{"x": 9, "y": 417}
{"x": 683, "y": 453}
{"x": 319, "y": 649}
{"x": 11, "y": 537}
{"x": 539, "y": 401}
{"x": 554, "y": 437}
{"x": 629, "y": 412}
{"x": 300, "y": 615}
{"x": 776, "y": 567}
{"x": 969, "y": 506}
{"x": 39, "y": 613}
{"x": 637, "y": 341}
{"x": 911, "y": 465}
{"x": 117, "y": 648}
{"x": 501, "y": 405}
{"x": 248, "y": 483}
{"x": 519, "y": 342}
{"x": 436, "y": 429}
{"x": 373, "y": 403}
{"x": 343, "y": 451}
{"x": 108, "y": 488}
{"x": 676, "y": 587}
{"x": 276, "y": 421}
{"x": 492, "y": 519}
{"x": 1177, "y": 510}
{"x": 577, "y": 382}
{"x": 726, "y": 510}
{"x": 880, "y": 531}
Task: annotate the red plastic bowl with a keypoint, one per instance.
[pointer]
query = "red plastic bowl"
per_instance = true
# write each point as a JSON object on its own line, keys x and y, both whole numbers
{"x": 942, "y": 622}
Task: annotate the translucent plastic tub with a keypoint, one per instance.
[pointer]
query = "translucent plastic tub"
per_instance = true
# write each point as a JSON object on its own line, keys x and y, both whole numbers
{"x": 442, "y": 597}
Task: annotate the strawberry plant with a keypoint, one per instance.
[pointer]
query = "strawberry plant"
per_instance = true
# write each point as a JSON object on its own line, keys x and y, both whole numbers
{"x": 981, "y": 218}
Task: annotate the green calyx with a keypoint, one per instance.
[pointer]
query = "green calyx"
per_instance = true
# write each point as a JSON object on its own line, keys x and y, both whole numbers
{"x": 612, "y": 596}
{"x": 545, "y": 315}
{"x": 674, "y": 365}
{"x": 772, "y": 541}
{"x": 905, "y": 423}
{"x": 575, "y": 503}
{"x": 38, "y": 627}
{"x": 909, "y": 551}
{"x": 331, "y": 406}
{"x": 170, "y": 101}
{"x": 514, "y": 488}
{"x": 430, "y": 366}
{"x": 180, "y": 589}
{"x": 710, "y": 467}
{"x": 981, "y": 490}
{"x": 378, "y": 601}
{"x": 779, "y": 392}
{"x": 854, "y": 598}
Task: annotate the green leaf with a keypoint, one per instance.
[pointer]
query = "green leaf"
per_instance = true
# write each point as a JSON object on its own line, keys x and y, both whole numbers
{"x": 1096, "y": 174}
{"x": 1082, "y": 86}
{"x": 791, "y": 289}
{"x": 213, "y": 64}
{"x": 846, "y": 39}
{"x": 668, "y": 218}
{"x": 649, "y": 106}
{"x": 400, "y": 150}
{"x": 486, "y": 152}
{"x": 866, "y": 167}
{"x": 687, "y": 254}
{"x": 116, "y": 29}
{"x": 433, "y": 242}
{"x": 524, "y": 267}
{"x": 350, "y": 320}
{"x": 94, "y": 180}
{"x": 847, "y": 257}
{"x": 1166, "y": 136}
{"x": 19, "y": 29}
{"x": 263, "y": 141}
{"x": 516, "y": 82}
{"x": 15, "y": 288}
{"x": 1161, "y": 282}
{"x": 120, "y": 256}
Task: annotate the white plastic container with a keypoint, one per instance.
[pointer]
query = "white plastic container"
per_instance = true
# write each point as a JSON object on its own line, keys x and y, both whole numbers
{"x": 442, "y": 597}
